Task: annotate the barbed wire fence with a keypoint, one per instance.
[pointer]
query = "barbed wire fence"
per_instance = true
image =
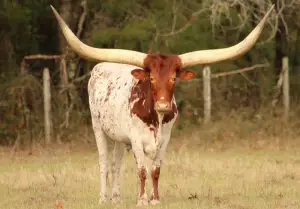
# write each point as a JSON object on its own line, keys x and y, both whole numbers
{"x": 282, "y": 87}
{"x": 24, "y": 70}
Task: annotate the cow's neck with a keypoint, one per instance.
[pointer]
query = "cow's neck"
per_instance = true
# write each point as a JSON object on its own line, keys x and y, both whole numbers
{"x": 142, "y": 105}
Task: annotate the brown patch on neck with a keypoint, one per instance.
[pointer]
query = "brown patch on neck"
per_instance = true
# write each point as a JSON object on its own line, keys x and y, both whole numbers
{"x": 141, "y": 93}
{"x": 143, "y": 106}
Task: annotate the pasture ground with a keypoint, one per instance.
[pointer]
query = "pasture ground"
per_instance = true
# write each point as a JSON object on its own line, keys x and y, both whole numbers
{"x": 203, "y": 176}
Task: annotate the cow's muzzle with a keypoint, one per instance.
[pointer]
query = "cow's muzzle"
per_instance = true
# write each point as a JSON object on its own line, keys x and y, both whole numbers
{"x": 162, "y": 107}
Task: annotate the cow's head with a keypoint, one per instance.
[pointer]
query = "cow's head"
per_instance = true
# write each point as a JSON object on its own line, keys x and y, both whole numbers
{"x": 162, "y": 71}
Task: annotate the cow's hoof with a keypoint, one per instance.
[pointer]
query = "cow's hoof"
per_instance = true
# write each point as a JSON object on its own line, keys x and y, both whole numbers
{"x": 142, "y": 202}
{"x": 102, "y": 201}
{"x": 154, "y": 202}
{"x": 116, "y": 199}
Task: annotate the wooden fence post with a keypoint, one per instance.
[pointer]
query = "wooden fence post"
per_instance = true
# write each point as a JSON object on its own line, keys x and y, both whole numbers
{"x": 47, "y": 105}
{"x": 207, "y": 94}
{"x": 286, "y": 87}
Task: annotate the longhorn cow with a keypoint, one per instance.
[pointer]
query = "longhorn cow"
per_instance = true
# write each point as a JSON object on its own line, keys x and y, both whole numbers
{"x": 131, "y": 99}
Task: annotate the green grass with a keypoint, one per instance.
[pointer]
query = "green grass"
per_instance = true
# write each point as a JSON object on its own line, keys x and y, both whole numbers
{"x": 235, "y": 179}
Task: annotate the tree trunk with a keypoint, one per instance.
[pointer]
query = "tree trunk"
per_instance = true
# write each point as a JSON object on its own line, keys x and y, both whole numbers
{"x": 279, "y": 45}
{"x": 68, "y": 11}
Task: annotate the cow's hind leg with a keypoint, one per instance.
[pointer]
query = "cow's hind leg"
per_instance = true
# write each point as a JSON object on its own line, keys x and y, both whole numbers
{"x": 118, "y": 154}
{"x": 101, "y": 140}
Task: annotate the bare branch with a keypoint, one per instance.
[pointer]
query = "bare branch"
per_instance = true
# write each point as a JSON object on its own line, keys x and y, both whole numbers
{"x": 239, "y": 71}
{"x": 174, "y": 11}
{"x": 187, "y": 25}
{"x": 248, "y": 79}
{"x": 23, "y": 67}
{"x": 82, "y": 18}
{"x": 76, "y": 80}
{"x": 46, "y": 57}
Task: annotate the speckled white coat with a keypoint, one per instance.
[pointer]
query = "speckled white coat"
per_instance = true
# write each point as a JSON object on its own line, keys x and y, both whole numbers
{"x": 109, "y": 91}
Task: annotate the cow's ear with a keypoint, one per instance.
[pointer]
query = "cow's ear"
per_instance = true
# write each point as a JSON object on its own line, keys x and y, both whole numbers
{"x": 139, "y": 74}
{"x": 186, "y": 74}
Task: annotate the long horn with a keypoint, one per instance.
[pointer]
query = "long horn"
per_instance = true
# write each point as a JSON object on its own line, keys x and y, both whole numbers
{"x": 217, "y": 55}
{"x": 109, "y": 55}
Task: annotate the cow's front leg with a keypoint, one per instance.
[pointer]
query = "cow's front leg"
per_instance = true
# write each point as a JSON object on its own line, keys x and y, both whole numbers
{"x": 139, "y": 155}
{"x": 155, "y": 171}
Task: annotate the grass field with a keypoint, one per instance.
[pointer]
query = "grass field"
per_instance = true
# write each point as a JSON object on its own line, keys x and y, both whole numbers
{"x": 233, "y": 178}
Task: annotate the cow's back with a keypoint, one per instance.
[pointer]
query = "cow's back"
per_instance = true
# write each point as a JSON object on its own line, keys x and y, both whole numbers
{"x": 109, "y": 91}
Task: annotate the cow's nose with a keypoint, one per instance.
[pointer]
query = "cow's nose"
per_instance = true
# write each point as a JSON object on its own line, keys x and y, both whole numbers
{"x": 162, "y": 107}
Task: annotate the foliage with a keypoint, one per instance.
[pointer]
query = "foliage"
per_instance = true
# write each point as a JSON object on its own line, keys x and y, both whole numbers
{"x": 12, "y": 108}
{"x": 165, "y": 26}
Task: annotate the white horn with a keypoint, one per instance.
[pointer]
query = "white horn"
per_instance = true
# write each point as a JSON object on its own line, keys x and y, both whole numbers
{"x": 217, "y": 55}
{"x": 109, "y": 55}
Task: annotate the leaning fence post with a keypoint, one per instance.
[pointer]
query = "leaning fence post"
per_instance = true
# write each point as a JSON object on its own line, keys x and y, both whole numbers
{"x": 47, "y": 105}
{"x": 207, "y": 93}
{"x": 285, "y": 87}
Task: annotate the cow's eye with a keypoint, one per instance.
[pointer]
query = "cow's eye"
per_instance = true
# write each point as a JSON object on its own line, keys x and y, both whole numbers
{"x": 152, "y": 79}
{"x": 173, "y": 79}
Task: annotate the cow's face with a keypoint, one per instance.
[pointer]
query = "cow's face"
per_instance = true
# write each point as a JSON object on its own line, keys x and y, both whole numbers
{"x": 162, "y": 72}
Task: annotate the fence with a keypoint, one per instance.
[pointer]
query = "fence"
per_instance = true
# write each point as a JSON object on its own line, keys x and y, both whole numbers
{"x": 282, "y": 83}
{"x": 48, "y": 126}
{"x": 282, "y": 86}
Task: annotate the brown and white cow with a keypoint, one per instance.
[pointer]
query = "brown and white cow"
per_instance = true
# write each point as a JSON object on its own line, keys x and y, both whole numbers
{"x": 132, "y": 102}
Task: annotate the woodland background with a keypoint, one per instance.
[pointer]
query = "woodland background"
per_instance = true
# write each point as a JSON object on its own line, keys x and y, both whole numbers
{"x": 166, "y": 26}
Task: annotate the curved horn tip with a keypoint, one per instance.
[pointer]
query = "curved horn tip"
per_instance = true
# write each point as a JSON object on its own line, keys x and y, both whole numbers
{"x": 54, "y": 10}
{"x": 266, "y": 16}
{"x": 58, "y": 17}
{"x": 52, "y": 7}
{"x": 272, "y": 7}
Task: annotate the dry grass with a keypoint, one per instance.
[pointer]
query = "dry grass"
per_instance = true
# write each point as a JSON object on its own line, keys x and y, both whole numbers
{"x": 234, "y": 178}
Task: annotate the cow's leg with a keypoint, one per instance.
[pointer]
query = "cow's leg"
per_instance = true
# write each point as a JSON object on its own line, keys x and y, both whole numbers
{"x": 139, "y": 155}
{"x": 101, "y": 140}
{"x": 116, "y": 167}
{"x": 155, "y": 170}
